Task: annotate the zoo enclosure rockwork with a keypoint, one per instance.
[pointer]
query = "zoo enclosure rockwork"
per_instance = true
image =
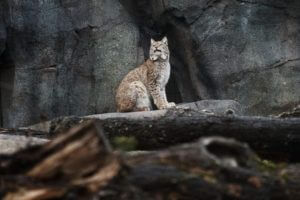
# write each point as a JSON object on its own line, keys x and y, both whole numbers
{"x": 67, "y": 57}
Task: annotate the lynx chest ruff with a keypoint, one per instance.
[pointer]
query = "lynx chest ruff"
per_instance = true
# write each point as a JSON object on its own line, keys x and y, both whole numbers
{"x": 164, "y": 71}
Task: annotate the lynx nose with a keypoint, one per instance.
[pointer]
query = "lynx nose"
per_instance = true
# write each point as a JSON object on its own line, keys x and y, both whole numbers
{"x": 157, "y": 50}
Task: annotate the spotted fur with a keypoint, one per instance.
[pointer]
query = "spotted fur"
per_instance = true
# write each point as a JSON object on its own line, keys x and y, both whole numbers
{"x": 147, "y": 81}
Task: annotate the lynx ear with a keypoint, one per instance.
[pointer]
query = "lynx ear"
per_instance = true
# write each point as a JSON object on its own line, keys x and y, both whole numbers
{"x": 152, "y": 41}
{"x": 165, "y": 40}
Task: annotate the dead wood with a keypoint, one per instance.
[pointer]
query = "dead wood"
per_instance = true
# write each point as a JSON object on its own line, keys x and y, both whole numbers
{"x": 271, "y": 137}
{"x": 274, "y": 138}
{"x": 80, "y": 159}
{"x": 81, "y": 165}
{"x": 12, "y": 143}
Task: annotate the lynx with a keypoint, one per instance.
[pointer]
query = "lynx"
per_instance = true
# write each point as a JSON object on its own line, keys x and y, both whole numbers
{"x": 146, "y": 82}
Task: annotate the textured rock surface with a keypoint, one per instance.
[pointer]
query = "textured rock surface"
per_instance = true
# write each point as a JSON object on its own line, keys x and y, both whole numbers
{"x": 2, "y": 30}
{"x": 243, "y": 50}
{"x": 2, "y": 47}
{"x": 217, "y": 107}
{"x": 251, "y": 52}
{"x": 2, "y": 35}
{"x": 69, "y": 55}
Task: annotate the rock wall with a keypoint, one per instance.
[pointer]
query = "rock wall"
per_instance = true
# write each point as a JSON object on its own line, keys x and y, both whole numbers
{"x": 67, "y": 57}
{"x": 250, "y": 51}
{"x": 2, "y": 36}
{"x": 243, "y": 50}
{"x": 2, "y": 47}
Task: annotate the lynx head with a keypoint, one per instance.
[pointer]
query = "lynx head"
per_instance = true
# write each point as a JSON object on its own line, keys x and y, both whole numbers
{"x": 159, "y": 50}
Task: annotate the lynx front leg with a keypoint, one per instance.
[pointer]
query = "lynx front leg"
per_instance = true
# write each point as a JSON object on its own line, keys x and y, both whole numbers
{"x": 164, "y": 96}
{"x": 160, "y": 99}
{"x": 143, "y": 102}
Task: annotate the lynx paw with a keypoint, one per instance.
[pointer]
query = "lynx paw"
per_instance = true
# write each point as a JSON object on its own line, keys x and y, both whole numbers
{"x": 142, "y": 109}
{"x": 171, "y": 105}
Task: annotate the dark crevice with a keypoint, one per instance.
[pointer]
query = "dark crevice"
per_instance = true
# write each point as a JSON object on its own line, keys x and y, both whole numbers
{"x": 189, "y": 79}
{"x": 6, "y": 85}
{"x": 194, "y": 65}
{"x": 149, "y": 28}
{"x": 173, "y": 92}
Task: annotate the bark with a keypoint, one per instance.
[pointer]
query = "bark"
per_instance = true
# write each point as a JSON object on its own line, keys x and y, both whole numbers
{"x": 81, "y": 158}
{"x": 81, "y": 165}
{"x": 271, "y": 137}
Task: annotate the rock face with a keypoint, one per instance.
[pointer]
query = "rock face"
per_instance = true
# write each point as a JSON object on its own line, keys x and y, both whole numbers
{"x": 2, "y": 47}
{"x": 67, "y": 57}
{"x": 2, "y": 35}
{"x": 248, "y": 51}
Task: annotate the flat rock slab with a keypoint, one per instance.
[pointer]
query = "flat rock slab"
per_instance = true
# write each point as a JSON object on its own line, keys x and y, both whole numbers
{"x": 218, "y": 107}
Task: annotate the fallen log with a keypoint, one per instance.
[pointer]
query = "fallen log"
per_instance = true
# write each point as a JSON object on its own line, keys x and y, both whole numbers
{"x": 13, "y": 143}
{"x": 81, "y": 165}
{"x": 216, "y": 107}
{"x": 12, "y": 140}
{"x": 81, "y": 158}
{"x": 38, "y": 133}
{"x": 212, "y": 168}
{"x": 272, "y": 138}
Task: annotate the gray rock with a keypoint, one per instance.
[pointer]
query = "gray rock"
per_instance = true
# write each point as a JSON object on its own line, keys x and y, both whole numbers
{"x": 12, "y": 143}
{"x": 2, "y": 48}
{"x": 2, "y": 35}
{"x": 217, "y": 107}
{"x": 68, "y": 58}
{"x": 251, "y": 52}
{"x": 2, "y": 30}
{"x": 247, "y": 51}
